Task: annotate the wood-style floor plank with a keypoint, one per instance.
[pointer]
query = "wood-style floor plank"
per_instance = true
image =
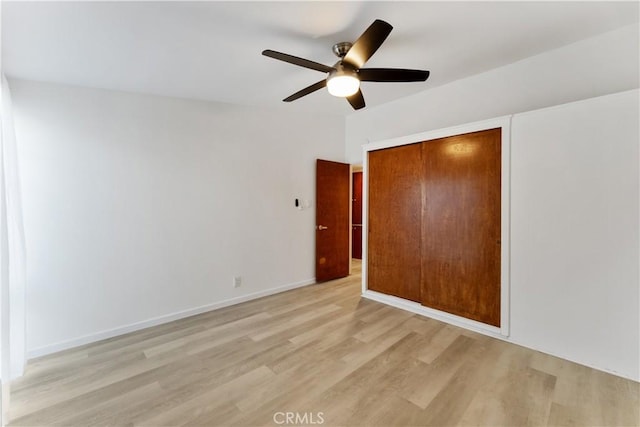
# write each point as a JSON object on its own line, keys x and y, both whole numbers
{"x": 317, "y": 351}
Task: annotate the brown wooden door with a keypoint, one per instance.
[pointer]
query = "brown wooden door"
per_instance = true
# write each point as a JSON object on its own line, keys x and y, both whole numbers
{"x": 332, "y": 220}
{"x": 356, "y": 216}
{"x": 394, "y": 221}
{"x": 461, "y": 225}
{"x": 356, "y": 241}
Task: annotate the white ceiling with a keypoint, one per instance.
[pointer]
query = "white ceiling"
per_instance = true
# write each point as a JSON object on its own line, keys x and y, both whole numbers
{"x": 211, "y": 50}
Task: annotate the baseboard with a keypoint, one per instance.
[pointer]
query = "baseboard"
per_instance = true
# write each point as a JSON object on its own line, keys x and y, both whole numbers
{"x": 17, "y": 368}
{"x": 414, "y": 307}
{"x": 541, "y": 349}
{"x": 110, "y": 333}
{"x": 420, "y": 309}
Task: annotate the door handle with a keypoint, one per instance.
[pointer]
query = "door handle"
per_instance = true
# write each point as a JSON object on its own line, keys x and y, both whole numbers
{"x": 322, "y": 227}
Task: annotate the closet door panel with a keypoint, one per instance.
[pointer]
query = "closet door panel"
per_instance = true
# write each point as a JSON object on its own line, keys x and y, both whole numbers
{"x": 461, "y": 225}
{"x": 394, "y": 221}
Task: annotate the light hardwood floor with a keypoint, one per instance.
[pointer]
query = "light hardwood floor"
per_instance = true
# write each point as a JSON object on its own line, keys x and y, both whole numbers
{"x": 325, "y": 353}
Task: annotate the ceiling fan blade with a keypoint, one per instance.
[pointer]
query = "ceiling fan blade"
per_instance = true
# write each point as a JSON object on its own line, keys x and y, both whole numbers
{"x": 392, "y": 75}
{"x": 306, "y": 91}
{"x": 356, "y": 100}
{"x": 368, "y": 43}
{"x": 297, "y": 61}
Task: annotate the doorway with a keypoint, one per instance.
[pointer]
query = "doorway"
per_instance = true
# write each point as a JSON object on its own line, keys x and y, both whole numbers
{"x": 339, "y": 213}
{"x": 356, "y": 212}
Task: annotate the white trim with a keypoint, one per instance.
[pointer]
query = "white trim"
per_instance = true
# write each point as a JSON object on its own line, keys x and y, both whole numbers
{"x": 365, "y": 218}
{"x": 504, "y": 123}
{"x": 505, "y": 228}
{"x": 474, "y": 326}
{"x": 420, "y": 309}
{"x": 543, "y": 349}
{"x": 110, "y": 333}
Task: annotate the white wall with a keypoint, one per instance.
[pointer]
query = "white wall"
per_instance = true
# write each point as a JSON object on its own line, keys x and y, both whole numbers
{"x": 604, "y": 64}
{"x": 139, "y": 207}
{"x": 574, "y": 190}
{"x": 575, "y": 244}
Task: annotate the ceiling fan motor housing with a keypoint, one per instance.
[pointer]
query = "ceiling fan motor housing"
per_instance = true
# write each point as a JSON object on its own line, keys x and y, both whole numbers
{"x": 342, "y": 69}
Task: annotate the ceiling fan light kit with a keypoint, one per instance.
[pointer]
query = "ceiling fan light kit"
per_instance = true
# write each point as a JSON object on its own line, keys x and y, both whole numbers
{"x": 343, "y": 79}
{"x": 343, "y": 82}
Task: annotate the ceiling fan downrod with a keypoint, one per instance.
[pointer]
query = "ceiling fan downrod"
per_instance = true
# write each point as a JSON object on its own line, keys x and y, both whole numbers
{"x": 341, "y": 49}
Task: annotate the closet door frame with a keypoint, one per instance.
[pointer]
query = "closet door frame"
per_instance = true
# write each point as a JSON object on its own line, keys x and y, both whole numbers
{"x": 505, "y": 261}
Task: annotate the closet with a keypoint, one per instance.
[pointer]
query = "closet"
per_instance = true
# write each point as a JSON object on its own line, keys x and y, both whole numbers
{"x": 434, "y": 223}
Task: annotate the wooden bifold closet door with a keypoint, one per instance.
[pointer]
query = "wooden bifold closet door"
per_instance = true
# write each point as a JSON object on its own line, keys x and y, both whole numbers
{"x": 461, "y": 225}
{"x": 434, "y": 224}
{"x": 395, "y": 194}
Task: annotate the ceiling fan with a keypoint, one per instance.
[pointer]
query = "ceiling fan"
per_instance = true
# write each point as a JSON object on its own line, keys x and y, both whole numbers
{"x": 344, "y": 77}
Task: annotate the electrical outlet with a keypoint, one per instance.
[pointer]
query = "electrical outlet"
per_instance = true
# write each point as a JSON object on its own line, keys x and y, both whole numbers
{"x": 237, "y": 281}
